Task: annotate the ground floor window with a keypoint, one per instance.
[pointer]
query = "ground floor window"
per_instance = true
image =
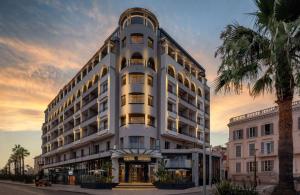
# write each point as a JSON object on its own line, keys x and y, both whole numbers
{"x": 267, "y": 165}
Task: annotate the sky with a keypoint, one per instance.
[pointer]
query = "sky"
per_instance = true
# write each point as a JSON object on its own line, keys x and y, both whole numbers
{"x": 44, "y": 43}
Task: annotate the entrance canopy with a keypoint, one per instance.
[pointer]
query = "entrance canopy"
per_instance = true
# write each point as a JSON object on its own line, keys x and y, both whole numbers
{"x": 140, "y": 153}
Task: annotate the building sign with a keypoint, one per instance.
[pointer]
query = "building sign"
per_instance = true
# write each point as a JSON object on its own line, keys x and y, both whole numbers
{"x": 129, "y": 158}
{"x": 144, "y": 158}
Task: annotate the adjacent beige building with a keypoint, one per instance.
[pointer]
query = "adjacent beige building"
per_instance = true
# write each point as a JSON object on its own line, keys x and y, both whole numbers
{"x": 256, "y": 135}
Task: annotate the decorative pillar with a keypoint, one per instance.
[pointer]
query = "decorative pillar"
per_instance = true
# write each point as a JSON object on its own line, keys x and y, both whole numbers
{"x": 195, "y": 168}
{"x": 115, "y": 170}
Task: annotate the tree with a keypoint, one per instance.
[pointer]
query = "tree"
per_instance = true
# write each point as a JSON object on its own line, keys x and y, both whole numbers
{"x": 266, "y": 59}
{"x": 24, "y": 153}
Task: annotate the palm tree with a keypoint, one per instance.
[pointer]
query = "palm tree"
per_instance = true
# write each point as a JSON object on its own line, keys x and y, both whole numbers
{"x": 266, "y": 59}
{"x": 17, "y": 153}
{"x": 24, "y": 153}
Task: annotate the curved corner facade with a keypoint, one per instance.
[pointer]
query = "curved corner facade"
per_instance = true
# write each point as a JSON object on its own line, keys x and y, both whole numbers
{"x": 139, "y": 99}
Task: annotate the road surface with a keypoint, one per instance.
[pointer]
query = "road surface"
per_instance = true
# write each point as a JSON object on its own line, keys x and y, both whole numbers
{"x": 11, "y": 189}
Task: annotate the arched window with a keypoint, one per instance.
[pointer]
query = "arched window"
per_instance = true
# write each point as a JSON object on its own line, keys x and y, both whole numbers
{"x": 96, "y": 78}
{"x": 123, "y": 63}
{"x": 151, "y": 64}
{"x": 186, "y": 83}
{"x": 78, "y": 93}
{"x": 90, "y": 68}
{"x": 104, "y": 72}
{"x": 136, "y": 59}
{"x": 84, "y": 89}
{"x": 171, "y": 71}
{"x": 193, "y": 88}
{"x": 180, "y": 78}
{"x": 90, "y": 84}
{"x": 73, "y": 98}
{"x": 199, "y": 92}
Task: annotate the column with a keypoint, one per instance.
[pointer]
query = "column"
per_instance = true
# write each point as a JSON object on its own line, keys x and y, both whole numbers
{"x": 195, "y": 168}
{"x": 115, "y": 170}
{"x": 210, "y": 166}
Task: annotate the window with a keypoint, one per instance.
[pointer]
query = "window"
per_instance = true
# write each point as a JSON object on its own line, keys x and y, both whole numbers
{"x": 123, "y": 82}
{"x": 251, "y": 149}
{"x": 103, "y": 106}
{"x": 107, "y": 145}
{"x": 104, "y": 72}
{"x": 136, "y": 142}
{"x": 136, "y": 78}
{"x": 123, "y": 120}
{"x": 267, "y": 129}
{"x": 150, "y": 120}
{"x": 137, "y": 20}
{"x": 136, "y": 118}
{"x": 103, "y": 87}
{"x": 251, "y": 166}
{"x": 238, "y": 151}
{"x": 96, "y": 149}
{"x": 167, "y": 145}
{"x": 137, "y": 59}
{"x": 238, "y": 134}
{"x": 150, "y": 42}
{"x": 178, "y": 146}
{"x": 137, "y": 38}
{"x": 171, "y": 88}
{"x": 121, "y": 143}
{"x": 252, "y": 132}
{"x": 151, "y": 64}
{"x": 123, "y": 63}
{"x": 123, "y": 100}
{"x": 267, "y": 165}
{"x": 267, "y": 147}
{"x": 152, "y": 143}
{"x": 238, "y": 167}
{"x": 299, "y": 123}
{"x": 103, "y": 124}
{"x": 170, "y": 106}
{"x": 171, "y": 71}
{"x": 171, "y": 125}
{"x": 123, "y": 44}
{"x": 150, "y": 80}
{"x": 136, "y": 98}
{"x": 82, "y": 152}
{"x": 150, "y": 100}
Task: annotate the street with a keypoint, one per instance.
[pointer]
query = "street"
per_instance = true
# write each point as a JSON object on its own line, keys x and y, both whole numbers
{"x": 11, "y": 189}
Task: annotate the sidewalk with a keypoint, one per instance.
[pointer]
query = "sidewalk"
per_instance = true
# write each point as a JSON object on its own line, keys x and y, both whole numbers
{"x": 71, "y": 188}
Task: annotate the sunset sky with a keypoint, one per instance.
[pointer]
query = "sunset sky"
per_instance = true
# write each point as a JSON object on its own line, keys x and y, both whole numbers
{"x": 44, "y": 43}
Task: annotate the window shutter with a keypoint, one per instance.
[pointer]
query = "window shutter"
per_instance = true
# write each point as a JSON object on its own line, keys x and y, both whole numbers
{"x": 271, "y": 129}
{"x": 262, "y": 130}
{"x": 262, "y": 147}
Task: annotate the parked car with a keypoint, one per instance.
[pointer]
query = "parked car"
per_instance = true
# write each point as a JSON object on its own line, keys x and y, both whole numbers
{"x": 39, "y": 181}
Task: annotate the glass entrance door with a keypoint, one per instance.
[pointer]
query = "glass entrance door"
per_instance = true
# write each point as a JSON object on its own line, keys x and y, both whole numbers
{"x": 137, "y": 173}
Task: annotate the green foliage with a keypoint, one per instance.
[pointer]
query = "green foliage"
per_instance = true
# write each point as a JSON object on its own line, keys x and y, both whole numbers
{"x": 265, "y": 57}
{"x": 227, "y": 188}
{"x": 162, "y": 174}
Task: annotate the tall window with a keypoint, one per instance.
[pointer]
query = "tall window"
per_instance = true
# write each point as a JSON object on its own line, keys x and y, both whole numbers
{"x": 238, "y": 167}
{"x": 136, "y": 78}
{"x": 238, "y": 151}
{"x": 167, "y": 145}
{"x": 238, "y": 134}
{"x": 172, "y": 125}
{"x": 152, "y": 143}
{"x": 267, "y": 129}
{"x": 103, "y": 124}
{"x": 150, "y": 80}
{"x": 150, "y": 100}
{"x": 251, "y": 149}
{"x": 251, "y": 166}
{"x": 123, "y": 120}
{"x": 170, "y": 106}
{"x": 151, "y": 64}
{"x": 121, "y": 143}
{"x": 150, "y": 120}
{"x": 136, "y": 142}
{"x": 136, "y": 118}
{"x": 252, "y": 132}
{"x": 267, "y": 147}
{"x": 136, "y": 98}
{"x": 267, "y": 165}
{"x": 103, "y": 87}
{"x": 123, "y": 63}
{"x": 123, "y": 100}
{"x": 123, "y": 80}
{"x": 103, "y": 106}
{"x": 150, "y": 42}
{"x": 123, "y": 44}
{"x": 137, "y": 38}
{"x": 171, "y": 71}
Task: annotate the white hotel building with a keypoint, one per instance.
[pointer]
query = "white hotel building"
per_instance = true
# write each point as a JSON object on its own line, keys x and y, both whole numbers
{"x": 256, "y": 135}
{"x": 140, "y": 98}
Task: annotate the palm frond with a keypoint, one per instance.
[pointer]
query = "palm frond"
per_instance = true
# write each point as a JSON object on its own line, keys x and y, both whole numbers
{"x": 263, "y": 84}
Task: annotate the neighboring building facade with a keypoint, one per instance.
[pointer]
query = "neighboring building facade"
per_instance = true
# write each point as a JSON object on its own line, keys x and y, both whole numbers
{"x": 38, "y": 163}
{"x": 256, "y": 135}
{"x": 139, "y": 99}
{"x": 223, "y": 158}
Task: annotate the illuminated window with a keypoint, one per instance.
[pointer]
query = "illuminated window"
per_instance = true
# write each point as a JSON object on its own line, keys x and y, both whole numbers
{"x": 123, "y": 120}
{"x": 150, "y": 80}
{"x": 137, "y": 38}
{"x": 123, "y": 80}
{"x": 150, "y": 100}
{"x": 150, "y": 120}
{"x": 136, "y": 98}
{"x": 136, "y": 118}
{"x": 150, "y": 42}
{"x": 123, "y": 63}
{"x": 136, "y": 78}
{"x": 123, "y": 100}
{"x": 136, "y": 59}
